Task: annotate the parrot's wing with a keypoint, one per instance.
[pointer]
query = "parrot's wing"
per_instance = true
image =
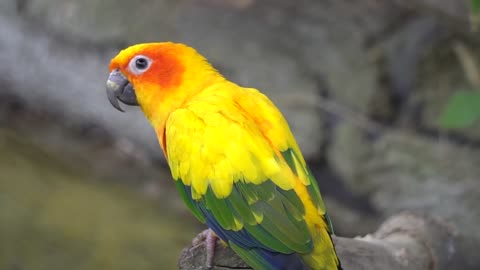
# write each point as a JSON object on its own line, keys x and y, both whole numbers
{"x": 278, "y": 133}
{"x": 254, "y": 216}
{"x": 262, "y": 223}
{"x": 233, "y": 178}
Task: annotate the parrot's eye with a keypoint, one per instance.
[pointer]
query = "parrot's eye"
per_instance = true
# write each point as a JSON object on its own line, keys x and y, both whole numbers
{"x": 139, "y": 64}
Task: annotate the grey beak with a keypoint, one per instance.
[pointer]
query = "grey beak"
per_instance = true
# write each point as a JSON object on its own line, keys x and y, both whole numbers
{"x": 119, "y": 88}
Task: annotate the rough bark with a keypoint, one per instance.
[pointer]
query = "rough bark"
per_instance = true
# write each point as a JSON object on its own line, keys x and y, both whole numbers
{"x": 404, "y": 241}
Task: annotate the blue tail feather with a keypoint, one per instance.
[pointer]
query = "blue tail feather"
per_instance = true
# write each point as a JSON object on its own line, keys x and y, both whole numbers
{"x": 261, "y": 259}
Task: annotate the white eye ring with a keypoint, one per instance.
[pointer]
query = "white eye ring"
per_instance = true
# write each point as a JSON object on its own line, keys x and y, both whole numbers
{"x": 139, "y": 64}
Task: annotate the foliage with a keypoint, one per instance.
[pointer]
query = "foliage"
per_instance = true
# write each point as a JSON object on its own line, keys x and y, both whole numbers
{"x": 462, "y": 110}
{"x": 475, "y": 14}
{"x": 475, "y": 4}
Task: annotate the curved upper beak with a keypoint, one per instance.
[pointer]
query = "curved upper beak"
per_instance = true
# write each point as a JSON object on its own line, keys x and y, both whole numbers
{"x": 119, "y": 88}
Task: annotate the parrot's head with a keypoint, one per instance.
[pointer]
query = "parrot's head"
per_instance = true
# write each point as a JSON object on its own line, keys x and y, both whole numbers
{"x": 156, "y": 76}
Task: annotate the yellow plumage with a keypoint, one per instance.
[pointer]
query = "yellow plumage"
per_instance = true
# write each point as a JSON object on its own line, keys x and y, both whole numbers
{"x": 233, "y": 157}
{"x": 223, "y": 141}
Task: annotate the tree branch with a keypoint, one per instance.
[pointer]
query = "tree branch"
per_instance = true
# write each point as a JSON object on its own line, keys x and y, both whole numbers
{"x": 405, "y": 241}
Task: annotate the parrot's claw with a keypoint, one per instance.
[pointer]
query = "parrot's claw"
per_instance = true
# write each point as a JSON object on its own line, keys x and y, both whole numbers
{"x": 209, "y": 238}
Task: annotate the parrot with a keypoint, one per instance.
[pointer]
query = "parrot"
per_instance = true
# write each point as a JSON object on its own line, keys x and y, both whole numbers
{"x": 231, "y": 154}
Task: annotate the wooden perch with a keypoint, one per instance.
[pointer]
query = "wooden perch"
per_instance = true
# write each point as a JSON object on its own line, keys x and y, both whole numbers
{"x": 405, "y": 241}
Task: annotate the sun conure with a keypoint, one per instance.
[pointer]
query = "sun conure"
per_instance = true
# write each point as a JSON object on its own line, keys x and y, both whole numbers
{"x": 232, "y": 156}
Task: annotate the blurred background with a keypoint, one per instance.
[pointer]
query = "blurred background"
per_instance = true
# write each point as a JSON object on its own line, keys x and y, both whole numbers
{"x": 383, "y": 97}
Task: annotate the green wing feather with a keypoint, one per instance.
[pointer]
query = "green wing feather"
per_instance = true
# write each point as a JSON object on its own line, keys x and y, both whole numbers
{"x": 291, "y": 157}
{"x": 265, "y": 215}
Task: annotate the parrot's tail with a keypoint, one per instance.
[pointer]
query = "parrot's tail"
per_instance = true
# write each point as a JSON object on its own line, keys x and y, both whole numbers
{"x": 323, "y": 256}
{"x": 262, "y": 259}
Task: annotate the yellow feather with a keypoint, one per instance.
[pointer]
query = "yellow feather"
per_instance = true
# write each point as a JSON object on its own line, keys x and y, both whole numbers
{"x": 258, "y": 217}
{"x": 238, "y": 224}
{"x": 301, "y": 171}
{"x": 222, "y": 189}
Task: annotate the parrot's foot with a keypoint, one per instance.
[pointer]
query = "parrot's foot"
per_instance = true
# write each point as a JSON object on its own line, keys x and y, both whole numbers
{"x": 210, "y": 240}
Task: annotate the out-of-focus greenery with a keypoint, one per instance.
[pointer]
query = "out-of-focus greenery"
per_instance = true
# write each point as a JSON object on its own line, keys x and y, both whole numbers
{"x": 475, "y": 10}
{"x": 55, "y": 217}
{"x": 475, "y": 6}
{"x": 462, "y": 110}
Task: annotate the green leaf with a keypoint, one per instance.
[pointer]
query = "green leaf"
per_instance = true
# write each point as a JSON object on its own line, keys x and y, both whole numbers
{"x": 462, "y": 110}
{"x": 475, "y": 14}
{"x": 475, "y": 5}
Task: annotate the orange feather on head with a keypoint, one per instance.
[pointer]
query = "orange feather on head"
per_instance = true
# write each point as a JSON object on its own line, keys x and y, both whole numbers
{"x": 166, "y": 70}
